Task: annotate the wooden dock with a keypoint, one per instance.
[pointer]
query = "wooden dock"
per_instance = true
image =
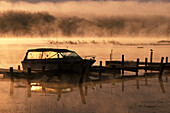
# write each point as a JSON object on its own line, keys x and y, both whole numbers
{"x": 112, "y": 68}
{"x": 133, "y": 66}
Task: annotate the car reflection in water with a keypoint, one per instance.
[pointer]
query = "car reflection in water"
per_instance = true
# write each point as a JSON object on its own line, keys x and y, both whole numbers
{"x": 68, "y": 84}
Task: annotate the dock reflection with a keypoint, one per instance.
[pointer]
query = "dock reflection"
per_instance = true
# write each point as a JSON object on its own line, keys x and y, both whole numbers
{"x": 68, "y": 83}
{"x": 162, "y": 85}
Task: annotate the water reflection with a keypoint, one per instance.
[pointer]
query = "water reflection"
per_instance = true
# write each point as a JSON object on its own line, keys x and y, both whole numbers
{"x": 82, "y": 94}
{"x": 68, "y": 85}
{"x": 162, "y": 85}
{"x": 68, "y": 82}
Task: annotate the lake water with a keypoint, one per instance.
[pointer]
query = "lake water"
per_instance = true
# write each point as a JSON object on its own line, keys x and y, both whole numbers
{"x": 137, "y": 95}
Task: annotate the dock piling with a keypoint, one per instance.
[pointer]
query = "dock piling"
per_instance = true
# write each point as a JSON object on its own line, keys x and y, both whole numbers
{"x": 100, "y": 70}
{"x": 151, "y": 55}
{"x": 11, "y": 70}
{"x": 137, "y": 67}
{"x": 82, "y": 75}
{"x": 11, "y": 74}
{"x": 29, "y": 71}
{"x": 19, "y": 68}
{"x": 43, "y": 69}
{"x": 166, "y": 60}
{"x": 29, "y": 75}
{"x": 146, "y": 64}
{"x": 162, "y": 66}
{"x": 100, "y": 64}
{"x": 162, "y": 59}
{"x": 123, "y": 65}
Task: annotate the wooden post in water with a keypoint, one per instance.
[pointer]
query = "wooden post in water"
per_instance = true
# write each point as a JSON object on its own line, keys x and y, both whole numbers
{"x": 29, "y": 71}
{"x": 12, "y": 81}
{"x": 43, "y": 69}
{"x": 100, "y": 64}
{"x": 166, "y": 60}
{"x": 11, "y": 74}
{"x": 151, "y": 55}
{"x": 19, "y": 68}
{"x": 82, "y": 75}
{"x": 11, "y": 70}
{"x": 59, "y": 69}
{"x": 123, "y": 65}
{"x": 162, "y": 66}
{"x": 146, "y": 64}
{"x": 166, "y": 74}
{"x": 137, "y": 66}
{"x": 100, "y": 70}
{"x": 29, "y": 74}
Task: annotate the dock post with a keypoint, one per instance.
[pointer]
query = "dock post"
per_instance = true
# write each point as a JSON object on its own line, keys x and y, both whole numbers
{"x": 100, "y": 70}
{"x": 151, "y": 55}
{"x": 19, "y": 68}
{"x": 59, "y": 70}
{"x": 59, "y": 67}
{"x": 11, "y": 70}
{"x": 123, "y": 65}
{"x": 162, "y": 66}
{"x": 82, "y": 75}
{"x": 43, "y": 69}
{"x": 162, "y": 60}
{"x": 165, "y": 64}
{"x": 146, "y": 64}
{"x": 137, "y": 67}
{"x": 29, "y": 70}
{"x": 29, "y": 74}
{"x": 100, "y": 64}
{"x": 166, "y": 60}
{"x": 11, "y": 74}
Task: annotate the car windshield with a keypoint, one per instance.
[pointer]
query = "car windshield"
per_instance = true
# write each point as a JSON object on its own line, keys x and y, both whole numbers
{"x": 70, "y": 54}
{"x": 50, "y": 55}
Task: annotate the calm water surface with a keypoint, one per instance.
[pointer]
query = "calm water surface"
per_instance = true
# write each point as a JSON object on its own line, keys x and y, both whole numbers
{"x": 138, "y": 95}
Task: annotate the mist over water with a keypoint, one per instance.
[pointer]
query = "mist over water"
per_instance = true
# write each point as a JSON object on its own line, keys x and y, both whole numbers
{"x": 85, "y": 19}
{"x": 42, "y": 24}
